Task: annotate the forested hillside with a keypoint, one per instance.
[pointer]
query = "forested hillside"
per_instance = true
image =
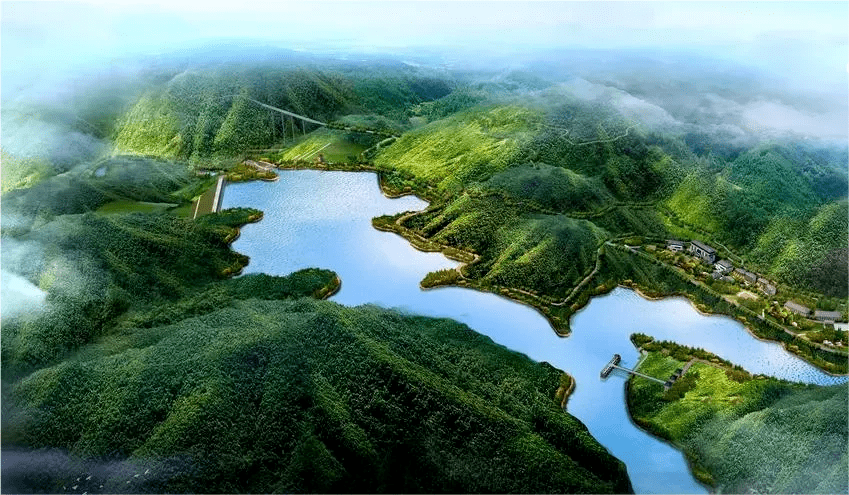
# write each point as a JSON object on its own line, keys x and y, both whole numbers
{"x": 203, "y": 114}
{"x": 138, "y": 358}
{"x": 467, "y": 147}
{"x": 306, "y": 396}
{"x": 94, "y": 265}
{"x": 740, "y": 203}
{"x": 744, "y": 433}
{"x": 136, "y": 345}
{"x": 769, "y": 202}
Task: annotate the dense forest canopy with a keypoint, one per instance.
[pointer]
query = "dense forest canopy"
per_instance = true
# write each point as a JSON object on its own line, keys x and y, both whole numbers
{"x": 746, "y": 433}
{"x": 129, "y": 347}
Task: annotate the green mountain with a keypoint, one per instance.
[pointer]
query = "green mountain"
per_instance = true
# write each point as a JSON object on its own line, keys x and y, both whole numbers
{"x": 203, "y": 114}
{"x": 147, "y": 356}
{"x": 552, "y": 188}
{"x": 310, "y": 396}
{"x": 745, "y": 433}
{"x": 808, "y": 253}
{"x": 546, "y": 252}
{"x": 466, "y": 147}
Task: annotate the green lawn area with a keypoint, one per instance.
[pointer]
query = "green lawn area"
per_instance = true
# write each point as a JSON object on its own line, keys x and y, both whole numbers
{"x": 128, "y": 206}
{"x": 184, "y": 211}
{"x": 330, "y": 143}
{"x": 746, "y": 434}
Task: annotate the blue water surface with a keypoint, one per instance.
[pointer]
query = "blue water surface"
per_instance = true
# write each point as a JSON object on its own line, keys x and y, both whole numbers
{"x": 323, "y": 219}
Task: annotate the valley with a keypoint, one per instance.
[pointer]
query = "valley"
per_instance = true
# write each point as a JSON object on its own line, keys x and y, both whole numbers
{"x": 156, "y": 331}
{"x": 391, "y": 280}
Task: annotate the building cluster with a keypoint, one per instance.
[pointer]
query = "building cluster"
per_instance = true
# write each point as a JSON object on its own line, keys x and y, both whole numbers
{"x": 722, "y": 268}
{"x": 752, "y": 278}
{"x": 672, "y": 379}
{"x": 826, "y": 317}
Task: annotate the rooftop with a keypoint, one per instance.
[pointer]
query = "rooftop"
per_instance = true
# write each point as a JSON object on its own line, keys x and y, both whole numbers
{"x": 796, "y": 307}
{"x": 831, "y": 315}
{"x": 704, "y": 247}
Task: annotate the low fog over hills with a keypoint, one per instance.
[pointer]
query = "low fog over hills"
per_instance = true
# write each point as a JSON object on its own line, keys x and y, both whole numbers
{"x": 565, "y": 150}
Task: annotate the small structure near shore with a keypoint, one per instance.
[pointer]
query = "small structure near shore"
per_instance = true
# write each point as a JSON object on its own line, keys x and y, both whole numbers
{"x": 614, "y": 364}
{"x": 675, "y": 246}
{"x": 723, "y": 266}
{"x": 748, "y": 276}
{"x": 767, "y": 287}
{"x": 797, "y": 308}
{"x": 703, "y": 251}
{"x": 827, "y": 316}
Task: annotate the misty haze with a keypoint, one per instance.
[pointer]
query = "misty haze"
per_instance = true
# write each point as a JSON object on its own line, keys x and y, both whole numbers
{"x": 424, "y": 247}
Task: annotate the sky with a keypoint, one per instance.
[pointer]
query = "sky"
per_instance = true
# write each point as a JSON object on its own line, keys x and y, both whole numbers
{"x": 804, "y": 43}
{"x": 779, "y": 34}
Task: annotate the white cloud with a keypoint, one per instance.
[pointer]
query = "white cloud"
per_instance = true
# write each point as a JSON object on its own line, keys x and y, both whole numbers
{"x": 632, "y": 108}
{"x": 642, "y": 111}
{"x": 764, "y": 116}
{"x": 18, "y": 296}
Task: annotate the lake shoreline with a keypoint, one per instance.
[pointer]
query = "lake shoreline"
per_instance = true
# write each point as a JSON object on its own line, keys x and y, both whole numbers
{"x": 701, "y": 311}
{"x": 384, "y": 271}
{"x": 560, "y": 329}
{"x": 697, "y": 474}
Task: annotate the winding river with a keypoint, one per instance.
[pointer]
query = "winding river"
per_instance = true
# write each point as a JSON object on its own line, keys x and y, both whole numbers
{"x": 323, "y": 219}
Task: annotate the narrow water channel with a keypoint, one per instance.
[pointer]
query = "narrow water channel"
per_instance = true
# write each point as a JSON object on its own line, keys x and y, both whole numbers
{"x": 323, "y": 219}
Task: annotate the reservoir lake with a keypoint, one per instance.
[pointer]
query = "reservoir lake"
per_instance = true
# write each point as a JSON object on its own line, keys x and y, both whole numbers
{"x": 323, "y": 219}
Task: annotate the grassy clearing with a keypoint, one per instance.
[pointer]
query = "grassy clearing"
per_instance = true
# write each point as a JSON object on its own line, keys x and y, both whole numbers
{"x": 744, "y": 433}
{"x": 127, "y": 206}
{"x": 333, "y": 145}
{"x": 186, "y": 210}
